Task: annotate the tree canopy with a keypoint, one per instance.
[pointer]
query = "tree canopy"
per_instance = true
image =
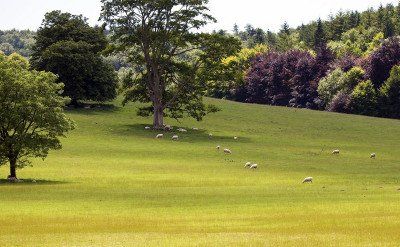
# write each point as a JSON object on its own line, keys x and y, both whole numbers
{"x": 168, "y": 54}
{"x": 67, "y": 46}
{"x": 31, "y": 113}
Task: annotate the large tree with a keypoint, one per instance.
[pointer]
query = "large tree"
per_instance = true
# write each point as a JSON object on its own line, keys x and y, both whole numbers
{"x": 31, "y": 113}
{"x": 67, "y": 46}
{"x": 168, "y": 52}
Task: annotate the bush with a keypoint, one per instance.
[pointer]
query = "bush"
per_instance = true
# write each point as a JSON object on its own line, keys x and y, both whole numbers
{"x": 364, "y": 99}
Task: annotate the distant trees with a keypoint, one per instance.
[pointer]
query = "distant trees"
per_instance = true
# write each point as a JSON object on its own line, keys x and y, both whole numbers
{"x": 67, "y": 46}
{"x": 31, "y": 113}
{"x": 20, "y": 42}
{"x": 172, "y": 62}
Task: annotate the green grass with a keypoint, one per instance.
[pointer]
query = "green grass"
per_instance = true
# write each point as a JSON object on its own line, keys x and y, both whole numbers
{"x": 114, "y": 184}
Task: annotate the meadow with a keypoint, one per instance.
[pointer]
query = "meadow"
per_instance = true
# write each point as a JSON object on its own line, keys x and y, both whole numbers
{"x": 114, "y": 184}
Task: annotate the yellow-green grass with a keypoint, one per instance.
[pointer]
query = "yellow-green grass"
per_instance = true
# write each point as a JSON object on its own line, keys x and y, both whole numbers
{"x": 114, "y": 184}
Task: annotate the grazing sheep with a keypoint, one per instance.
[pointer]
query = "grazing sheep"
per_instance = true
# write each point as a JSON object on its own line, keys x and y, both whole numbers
{"x": 160, "y": 136}
{"x": 182, "y": 130}
{"x": 247, "y": 165}
{"x": 194, "y": 128}
{"x": 235, "y": 138}
{"x": 227, "y": 151}
{"x": 175, "y": 138}
{"x": 147, "y": 128}
{"x": 253, "y": 167}
{"x": 210, "y": 135}
{"x": 168, "y": 128}
{"x": 218, "y": 147}
{"x": 373, "y": 156}
{"x": 308, "y": 180}
{"x": 336, "y": 152}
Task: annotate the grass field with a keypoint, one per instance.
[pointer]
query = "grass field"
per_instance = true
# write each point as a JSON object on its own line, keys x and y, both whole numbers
{"x": 114, "y": 184}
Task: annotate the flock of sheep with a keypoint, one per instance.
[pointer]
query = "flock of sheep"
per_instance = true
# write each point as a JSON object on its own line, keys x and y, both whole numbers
{"x": 248, "y": 165}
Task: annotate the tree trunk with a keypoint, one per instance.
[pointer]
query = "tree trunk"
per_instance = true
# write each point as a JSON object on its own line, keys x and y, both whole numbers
{"x": 158, "y": 122}
{"x": 13, "y": 168}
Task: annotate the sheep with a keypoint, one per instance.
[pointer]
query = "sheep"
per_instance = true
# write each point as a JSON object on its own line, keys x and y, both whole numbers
{"x": 247, "y": 165}
{"x": 336, "y": 152}
{"x": 147, "y": 128}
{"x": 373, "y": 155}
{"x": 254, "y": 166}
{"x": 235, "y": 138}
{"x": 168, "y": 128}
{"x": 160, "y": 136}
{"x": 182, "y": 130}
{"x": 175, "y": 138}
{"x": 227, "y": 151}
{"x": 194, "y": 128}
{"x": 218, "y": 147}
{"x": 210, "y": 135}
{"x": 308, "y": 180}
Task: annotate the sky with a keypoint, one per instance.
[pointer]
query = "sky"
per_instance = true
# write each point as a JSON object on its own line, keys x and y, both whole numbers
{"x": 266, "y": 14}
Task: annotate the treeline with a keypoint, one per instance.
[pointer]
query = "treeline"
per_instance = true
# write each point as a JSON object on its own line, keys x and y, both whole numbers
{"x": 15, "y": 41}
{"x": 347, "y": 64}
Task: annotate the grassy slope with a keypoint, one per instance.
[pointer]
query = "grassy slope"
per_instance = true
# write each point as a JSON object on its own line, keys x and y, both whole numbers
{"x": 113, "y": 184}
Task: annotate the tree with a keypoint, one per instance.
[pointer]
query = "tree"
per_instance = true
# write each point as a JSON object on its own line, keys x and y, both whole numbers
{"x": 319, "y": 36}
{"x": 31, "y": 113}
{"x": 167, "y": 53}
{"x": 364, "y": 99}
{"x": 379, "y": 64}
{"x": 67, "y": 46}
{"x": 390, "y": 94}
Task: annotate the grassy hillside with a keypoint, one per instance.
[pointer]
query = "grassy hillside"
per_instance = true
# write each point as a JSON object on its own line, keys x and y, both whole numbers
{"x": 114, "y": 184}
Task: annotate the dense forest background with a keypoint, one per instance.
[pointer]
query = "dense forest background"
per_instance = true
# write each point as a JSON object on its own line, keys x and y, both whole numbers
{"x": 347, "y": 63}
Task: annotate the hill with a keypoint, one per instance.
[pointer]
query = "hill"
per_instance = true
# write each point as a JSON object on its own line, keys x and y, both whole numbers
{"x": 114, "y": 184}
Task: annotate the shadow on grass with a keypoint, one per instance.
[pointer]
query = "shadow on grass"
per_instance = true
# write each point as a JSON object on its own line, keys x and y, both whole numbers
{"x": 93, "y": 108}
{"x": 4, "y": 182}
{"x": 191, "y": 136}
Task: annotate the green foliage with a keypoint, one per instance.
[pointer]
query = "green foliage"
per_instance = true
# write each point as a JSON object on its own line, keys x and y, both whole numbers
{"x": 390, "y": 94}
{"x": 357, "y": 41}
{"x": 330, "y": 85}
{"x": 31, "y": 112}
{"x": 67, "y": 46}
{"x": 364, "y": 99}
{"x": 232, "y": 73}
{"x": 172, "y": 63}
{"x": 20, "y": 42}
{"x": 338, "y": 81}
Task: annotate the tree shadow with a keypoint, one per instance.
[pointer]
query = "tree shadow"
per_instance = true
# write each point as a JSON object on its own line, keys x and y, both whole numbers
{"x": 23, "y": 182}
{"x": 191, "y": 136}
{"x": 93, "y": 108}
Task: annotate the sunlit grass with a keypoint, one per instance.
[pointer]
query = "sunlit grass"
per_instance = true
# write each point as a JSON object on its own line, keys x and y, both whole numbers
{"x": 114, "y": 184}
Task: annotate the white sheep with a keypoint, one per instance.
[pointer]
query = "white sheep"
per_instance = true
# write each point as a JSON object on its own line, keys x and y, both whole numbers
{"x": 227, "y": 151}
{"x": 160, "y": 136}
{"x": 308, "y": 180}
{"x": 373, "y": 155}
{"x": 210, "y": 135}
{"x": 147, "y": 128}
{"x": 218, "y": 147}
{"x": 254, "y": 166}
{"x": 175, "y": 138}
{"x": 168, "y": 128}
{"x": 194, "y": 128}
{"x": 247, "y": 165}
{"x": 336, "y": 152}
{"x": 182, "y": 130}
{"x": 235, "y": 138}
